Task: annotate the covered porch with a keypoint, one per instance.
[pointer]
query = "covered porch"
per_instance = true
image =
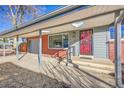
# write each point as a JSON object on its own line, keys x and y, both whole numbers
{"x": 68, "y": 24}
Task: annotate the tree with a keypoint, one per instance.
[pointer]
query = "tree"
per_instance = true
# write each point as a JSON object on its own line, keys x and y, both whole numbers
{"x": 18, "y": 13}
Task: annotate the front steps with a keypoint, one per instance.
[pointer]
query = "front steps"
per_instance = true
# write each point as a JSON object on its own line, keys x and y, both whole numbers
{"x": 86, "y": 57}
{"x": 96, "y": 65}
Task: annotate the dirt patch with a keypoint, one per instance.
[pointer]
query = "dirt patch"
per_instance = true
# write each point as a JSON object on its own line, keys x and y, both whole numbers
{"x": 12, "y": 76}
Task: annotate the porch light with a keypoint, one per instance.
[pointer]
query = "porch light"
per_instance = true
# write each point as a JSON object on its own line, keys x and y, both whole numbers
{"x": 45, "y": 31}
{"x": 78, "y": 24}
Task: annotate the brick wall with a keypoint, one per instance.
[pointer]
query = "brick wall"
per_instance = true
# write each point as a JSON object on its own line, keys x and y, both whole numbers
{"x": 112, "y": 52}
{"x": 51, "y": 52}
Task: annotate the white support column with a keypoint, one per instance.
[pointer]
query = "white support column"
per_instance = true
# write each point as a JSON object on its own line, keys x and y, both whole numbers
{"x": 17, "y": 50}
{"x": 4, "y": 47}
{"x": 118, "y": 68}
{"x": 118, "y": 55}
{"x": 40, "y": 47}
{"x": 69, "y": 49}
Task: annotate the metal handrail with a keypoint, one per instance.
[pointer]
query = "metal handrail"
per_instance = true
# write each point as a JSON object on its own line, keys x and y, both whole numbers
{"x": 69, "y": 52}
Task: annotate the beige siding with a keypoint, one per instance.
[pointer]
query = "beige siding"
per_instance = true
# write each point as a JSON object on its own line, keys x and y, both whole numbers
{"x": 100, "y": 42}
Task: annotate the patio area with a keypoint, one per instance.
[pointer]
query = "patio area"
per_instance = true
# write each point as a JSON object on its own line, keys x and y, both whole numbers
{"x": 71, "y": 76}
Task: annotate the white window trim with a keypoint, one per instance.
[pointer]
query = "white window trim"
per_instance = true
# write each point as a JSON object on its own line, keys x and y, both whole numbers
{"x": 110, "y": 40}
{"x": 62, "y": 40}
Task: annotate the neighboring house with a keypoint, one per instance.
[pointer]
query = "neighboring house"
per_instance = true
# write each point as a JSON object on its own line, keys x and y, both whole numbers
{"x": 87, "y": 30}
{"x": 9, "y": 43}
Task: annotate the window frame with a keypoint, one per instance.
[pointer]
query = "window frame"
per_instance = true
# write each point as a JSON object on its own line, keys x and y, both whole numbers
{"x": 112, "y": 39}
{"x": 62, "y": 40}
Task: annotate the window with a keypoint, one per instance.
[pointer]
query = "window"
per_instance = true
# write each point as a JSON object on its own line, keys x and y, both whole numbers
{"x": 122, "y": 31}
{"x": 58, "y": 41}
{"x": 65, "y": 40}
{"x": 112, "y": 32}
{"x": 55, "y": 41}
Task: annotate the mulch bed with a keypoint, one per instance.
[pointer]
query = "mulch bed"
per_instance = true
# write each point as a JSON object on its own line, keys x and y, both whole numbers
{"x": 12, "y": 76}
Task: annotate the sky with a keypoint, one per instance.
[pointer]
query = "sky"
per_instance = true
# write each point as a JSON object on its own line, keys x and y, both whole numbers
{"x": 5, "y": 23}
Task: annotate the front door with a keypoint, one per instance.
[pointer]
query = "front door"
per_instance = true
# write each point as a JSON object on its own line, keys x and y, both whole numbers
{"x": 86, "y": 42}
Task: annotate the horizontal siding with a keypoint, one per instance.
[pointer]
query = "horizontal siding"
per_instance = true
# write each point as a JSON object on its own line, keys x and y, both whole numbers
{"x": 99, "y": 40}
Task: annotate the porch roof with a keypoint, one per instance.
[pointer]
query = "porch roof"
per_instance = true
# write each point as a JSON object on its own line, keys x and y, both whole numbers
{"x": 92, "y": 16}
{"x": 87, "y": 24}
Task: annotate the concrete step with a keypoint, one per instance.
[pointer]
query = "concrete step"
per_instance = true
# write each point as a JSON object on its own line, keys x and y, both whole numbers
{"x": 86, "y": 57}
{"x": 92, "y": 66}
{"x": 96, "y": 69}
{"x": 93, "y": 69}
{"x": 93, "y": 60}
{"x": 95, "y": 65}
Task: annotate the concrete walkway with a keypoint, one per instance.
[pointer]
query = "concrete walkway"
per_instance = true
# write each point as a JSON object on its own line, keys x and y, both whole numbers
{"x": 76, "y": 77}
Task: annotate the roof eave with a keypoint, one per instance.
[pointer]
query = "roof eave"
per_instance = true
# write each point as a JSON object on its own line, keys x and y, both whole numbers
{"x": 42, "y": 18}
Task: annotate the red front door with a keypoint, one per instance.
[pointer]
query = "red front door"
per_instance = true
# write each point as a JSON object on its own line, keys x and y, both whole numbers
{"x": 86, "y": 42}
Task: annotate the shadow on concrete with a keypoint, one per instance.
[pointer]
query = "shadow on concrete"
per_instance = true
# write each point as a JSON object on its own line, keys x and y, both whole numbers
{"x": 13, "y": 76}
{"x": 76, "y": 76}
{"x": 22, "y": 56}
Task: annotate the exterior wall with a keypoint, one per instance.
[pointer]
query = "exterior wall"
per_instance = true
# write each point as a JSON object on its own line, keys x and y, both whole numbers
{"x": 100, "y": 42}
{"x": 52, "y": 52}
{"x": 33, "y": 47}
{"x": 45, "y": 48}
{"x": 112, "y": 52}
{"x": 100, "y": 47}
{"x": 74, "y": 42}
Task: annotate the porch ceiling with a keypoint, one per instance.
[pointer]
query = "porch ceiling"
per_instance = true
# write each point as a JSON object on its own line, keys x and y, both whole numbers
{"x": 88, "y": 24}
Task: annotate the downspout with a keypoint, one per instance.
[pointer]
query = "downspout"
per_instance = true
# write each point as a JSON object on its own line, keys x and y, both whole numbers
{"x": 118, "y": 66}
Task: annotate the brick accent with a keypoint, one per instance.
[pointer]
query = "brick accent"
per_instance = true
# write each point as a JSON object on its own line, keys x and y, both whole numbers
{"x": 61, "y": 53}
{"x": 112, "y": 52}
